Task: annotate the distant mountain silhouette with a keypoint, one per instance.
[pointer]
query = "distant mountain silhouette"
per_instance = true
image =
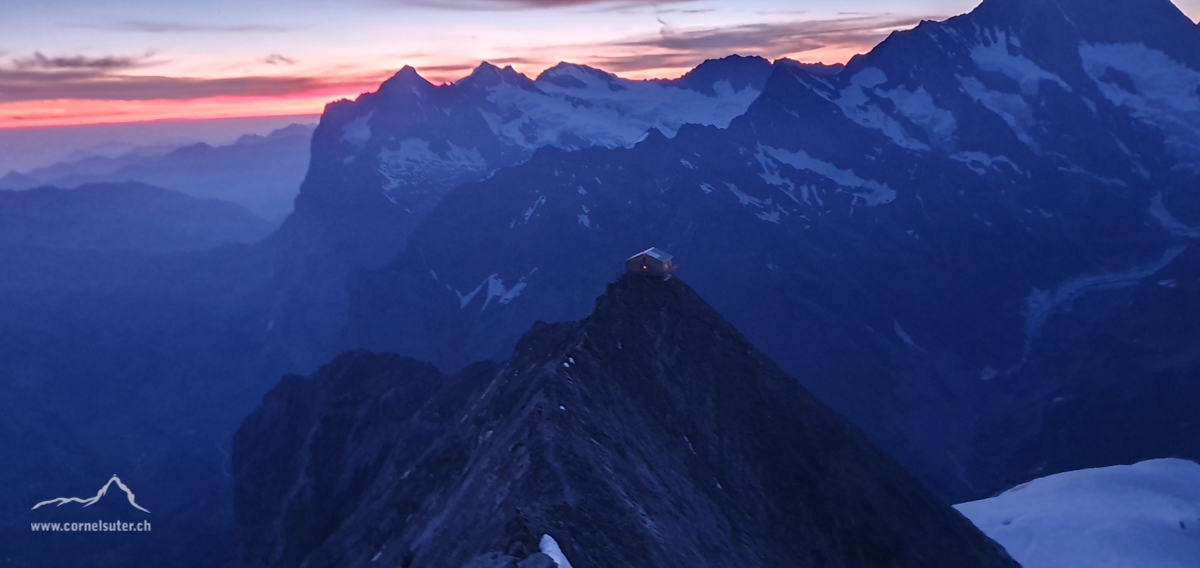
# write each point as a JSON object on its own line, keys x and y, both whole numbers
{"x": 122, "y": 216}
{"x": 260, "y": 173}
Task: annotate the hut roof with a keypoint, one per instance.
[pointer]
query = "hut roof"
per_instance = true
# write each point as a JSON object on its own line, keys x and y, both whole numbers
{"x": 655, "y": 253}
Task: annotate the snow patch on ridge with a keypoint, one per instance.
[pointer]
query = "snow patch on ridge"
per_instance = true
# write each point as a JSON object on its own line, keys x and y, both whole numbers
{"x": 358, "y": 131}
{"x": 982, "y": 163}
{"x": 464, "y": 299}
{"x": 743, "y": 197}
{"x": 1009, "y": 106}
{"x": 1145, "y": 515}
{"x": 997, "y": 54}
{"x": 1166, "y": 93}
{"x": 857, "y": 104}
{"x": 541, "y": 200}
{"x": 918, "y": 107}
{"x": 495, "y": 289}
{"x": 549, "y": 547}
{"x": 860, "y": 102}
{"x": 413, "y": 161}
{"x": 1041, "y": 304}
{"x": 574, "y": 107}
{"x": 877, "y": 194}
{"x": 908, "y": 340}
{"x": 1158, "y": 211}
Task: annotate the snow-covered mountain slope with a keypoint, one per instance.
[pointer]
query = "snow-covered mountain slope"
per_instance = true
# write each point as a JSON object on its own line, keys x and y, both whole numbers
{"x": 906, "y": 236}
{"x": 1145, "y": 515}
{"x": 402, "y": 147}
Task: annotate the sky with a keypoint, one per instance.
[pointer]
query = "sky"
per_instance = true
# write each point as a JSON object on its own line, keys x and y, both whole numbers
{"x": 73, "y": 62}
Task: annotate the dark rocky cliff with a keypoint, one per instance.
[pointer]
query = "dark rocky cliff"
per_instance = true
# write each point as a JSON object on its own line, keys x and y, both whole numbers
{"x": 649, "y": 434}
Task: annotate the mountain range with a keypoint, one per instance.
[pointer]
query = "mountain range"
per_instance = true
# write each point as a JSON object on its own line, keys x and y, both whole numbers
{"x": 383, "y": 161}
{"x": 925, "y": 239}
{"x": 973, "y": 242}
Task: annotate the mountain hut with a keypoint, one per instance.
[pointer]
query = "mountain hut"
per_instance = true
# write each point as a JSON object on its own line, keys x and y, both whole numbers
{"x": 651, "y": 262}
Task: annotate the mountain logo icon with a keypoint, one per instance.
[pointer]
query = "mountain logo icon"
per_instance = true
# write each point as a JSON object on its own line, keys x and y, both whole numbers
{"x": 92, "y": 501}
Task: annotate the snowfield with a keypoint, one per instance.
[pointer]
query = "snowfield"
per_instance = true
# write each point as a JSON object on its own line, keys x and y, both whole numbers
{"x": 1145, "y": 515}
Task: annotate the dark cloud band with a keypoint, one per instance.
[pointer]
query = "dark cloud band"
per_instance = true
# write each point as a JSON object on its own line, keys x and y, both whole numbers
{"x": 98, "y": 64}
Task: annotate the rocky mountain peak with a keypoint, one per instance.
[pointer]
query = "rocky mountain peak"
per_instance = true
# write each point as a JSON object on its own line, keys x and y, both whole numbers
{"x": 649, "y": 434}
{"x": 487, "y": 75}
{"x": 574, "y": 75}
{"x": 738, "y": 71}
{"x": 1154, "y": 23}
{"x": 404, "y": 79}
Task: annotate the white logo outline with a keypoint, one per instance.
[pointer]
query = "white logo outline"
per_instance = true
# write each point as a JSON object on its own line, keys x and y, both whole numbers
{"x": 92, "y": 501}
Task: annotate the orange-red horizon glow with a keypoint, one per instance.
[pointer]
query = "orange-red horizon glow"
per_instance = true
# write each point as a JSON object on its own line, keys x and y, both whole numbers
{"x": 77, "y": 112}
{"x": 39, "y": 114}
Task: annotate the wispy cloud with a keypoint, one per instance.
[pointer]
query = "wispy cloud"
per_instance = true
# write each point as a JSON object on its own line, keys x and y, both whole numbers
{"x": 149, "y": 26}
{"x": 39, "y": 77}
{"x": 277, "y": 59}
{"x": 506, "y": 5}
{"x": 681, "y": 48}
{"x": 775, "y": 37}
{"x": 38, "y": 61}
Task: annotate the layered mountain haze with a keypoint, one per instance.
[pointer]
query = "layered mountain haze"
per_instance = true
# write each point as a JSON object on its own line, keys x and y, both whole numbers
{"x": 261, "y": 173}
{"x": 649, "y": 434}
{"x": 121, "y": 217}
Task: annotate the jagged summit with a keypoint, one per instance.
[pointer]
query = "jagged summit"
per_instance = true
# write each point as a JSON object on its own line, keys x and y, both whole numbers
{"x": 575, "y": 75}
{"x": 814, "y": 68}
{"x": 487, "y": 75}
{"x": 406, "y": 80}
{"x": 738, "y": 71}
{"x": 379, "y": 163}
{"x": 649, "y": 434}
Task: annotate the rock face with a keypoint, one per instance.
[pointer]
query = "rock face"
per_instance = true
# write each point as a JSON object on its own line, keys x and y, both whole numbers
{"x": 649, "y": 434}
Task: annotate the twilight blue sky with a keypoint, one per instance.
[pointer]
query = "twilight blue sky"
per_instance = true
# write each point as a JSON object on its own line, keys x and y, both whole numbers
{"x": 92, "y": 61}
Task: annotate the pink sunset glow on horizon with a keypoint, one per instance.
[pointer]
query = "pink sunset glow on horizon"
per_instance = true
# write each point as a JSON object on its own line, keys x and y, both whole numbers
{"x": 72, "y": 62}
